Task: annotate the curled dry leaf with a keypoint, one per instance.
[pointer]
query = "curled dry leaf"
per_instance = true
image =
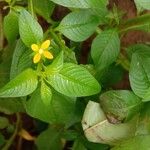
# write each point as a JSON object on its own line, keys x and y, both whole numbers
{"x": 97, "y": 128}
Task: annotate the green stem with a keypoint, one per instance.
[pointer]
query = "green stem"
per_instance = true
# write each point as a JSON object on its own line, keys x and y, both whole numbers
{"x": 98, "y": 30}
{"x": 30, "y": 5}
{"x": 1, "y": 32}
{"x": 12, "y": 138}
{"x": 124, "y": 62}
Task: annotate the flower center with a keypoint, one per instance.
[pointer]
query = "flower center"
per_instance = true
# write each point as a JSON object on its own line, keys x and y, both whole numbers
{"x": 41, "y": 51}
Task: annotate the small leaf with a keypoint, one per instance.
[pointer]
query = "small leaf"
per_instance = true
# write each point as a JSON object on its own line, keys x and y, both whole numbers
{"x": 145, "y": 4}
{"x": 23, "y": 85}
{"x": 21, "y": 59}
{"x": 49, "y": 139}
{"x": 46, "y": 93}
{"x": 3, "y": 122}
{"x": 120, "y": 104}
{"x": 105, "y": 48}
{"x": 97, "y": 129}
{"x": 139, "y": 74}
{"x": 137, "y": 142}
{"x": 78, "y": 145}
{"x": 78, "y": 25}
{"x": 11, "y": 106}
{"x": 139, "y": 23}
{"x": 11, "y": 27}
{"x": 44, "y": 8}
{"x": 74, "y": 81}
{"x": 30, "y": 31}
{"x": 56, "y": 65}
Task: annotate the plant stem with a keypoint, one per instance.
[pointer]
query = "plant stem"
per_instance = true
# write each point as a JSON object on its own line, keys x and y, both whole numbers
{"x": 30, "y": 5}
{"x": 1, "y": 32}
{"x": 12, "y": 138}
{"x": 124, "y": 62}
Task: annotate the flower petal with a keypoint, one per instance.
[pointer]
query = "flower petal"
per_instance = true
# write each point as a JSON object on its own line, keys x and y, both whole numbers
{"x": 37, "y": 58}
{"x": 34, "y": 47}
{"x": 48, "y": 55}
{"x": 45, "y": 44}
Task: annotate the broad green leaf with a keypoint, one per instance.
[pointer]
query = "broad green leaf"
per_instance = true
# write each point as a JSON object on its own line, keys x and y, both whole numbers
{"x": 11, "y": 28}
{"x": 97, "y": 129}
{"x": 56, "y": 65}
{"x": 78, "y": 25}
{"x": 97, "y": 6}
{"x": 60, "y": 110}
{"x": 105, "y": 48}
{"x": 135, "y": 48}
{"x": 3, "y": 122}
{"x": 23, "y": 85}
{"x": 138, "y": 23}
{"x": 139, "y": 74}
{"x": 29, "y": 29}
{"x": 21, "y": 59}
{"x": 120, "y": 104}
{"x": 44, "y": 8}
{"x": 49, "y": 139}
{"x": 145, "y": 4}
{"x": 74, "y": 81}
{"x": 46, "y": 93}
{"x": 134, "y": 143}
{"x": 11, "y": 106}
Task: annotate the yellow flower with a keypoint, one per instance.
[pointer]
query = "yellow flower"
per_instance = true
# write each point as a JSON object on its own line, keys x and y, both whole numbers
{"x": 41, "y": 50}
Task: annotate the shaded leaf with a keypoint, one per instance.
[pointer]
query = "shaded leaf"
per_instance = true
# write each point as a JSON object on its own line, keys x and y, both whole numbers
{"x": 105, "y": 48}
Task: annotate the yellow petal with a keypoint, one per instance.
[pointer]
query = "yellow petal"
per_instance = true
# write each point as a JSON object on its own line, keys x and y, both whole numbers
{"x": 34, "y": 47}
{"x": 45, "y": 44}
{"x": 48, "y": 55}
{"x": 37, "y": 58}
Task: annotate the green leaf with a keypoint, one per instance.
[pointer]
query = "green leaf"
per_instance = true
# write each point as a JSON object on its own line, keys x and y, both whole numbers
{"x": 97, "y": 129}
{"x": 60, "y": 110}
{"x": 120, "y": 104}
{"x": 49, "y": 139}
{"x": 138, "y": 142}
{"x": 11, "y": 106}
{"x": 21, "y": 59}
{"x": 11, "y": 27}
{"x": 78, "y": 145}
{"x": 74, "y": 81}
{"x": 46, "y": 93}
{"x": 78, "y": 25}
{"x": 139, "y": 74}
{"x": 135, "y": 48}
{"x": 2, "y": 139}
{"x": 138, "y": 23}
{"x": 143, "y": 127}
{"x": 145, "y": 4}
{"x": 23, "y": 85}
{"x": 3, "y": 122}
{"x": 44, "y": 8}
{"x": 105, "y": 48}
{"x": 30, "y": 31}
{"x": 56, "y": 65}
{"x": 97, "y": 6}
